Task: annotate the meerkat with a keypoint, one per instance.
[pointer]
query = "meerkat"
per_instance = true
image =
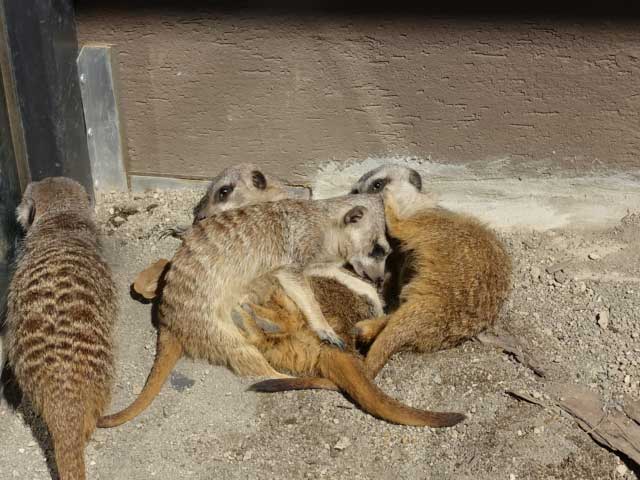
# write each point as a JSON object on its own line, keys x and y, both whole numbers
{"x": 221, "y": 255}
{"x": 454, "y": 276}
{"x": 290, "y": 346}
{"x": 60, "y": 313}
{"x": 238, "y": 186}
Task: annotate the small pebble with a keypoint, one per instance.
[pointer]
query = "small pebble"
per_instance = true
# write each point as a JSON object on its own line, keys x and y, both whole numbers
{"x": 621, "y": 470}
{"x": 594, "y": 256}
{"x": 343, "y": 443}
{"x": 603, "y": 319}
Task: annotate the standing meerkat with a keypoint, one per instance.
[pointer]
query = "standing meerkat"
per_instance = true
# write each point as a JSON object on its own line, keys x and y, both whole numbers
{"x": 221, "y": 255}
{"x": 61, "y": 310}
{"x": 454, "y": 276}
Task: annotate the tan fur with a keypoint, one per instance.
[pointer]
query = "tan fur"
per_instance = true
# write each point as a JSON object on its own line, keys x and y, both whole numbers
{"x": 61, "y": 310}
{"x": 459, "y": 280}
{"x": 298, "y": 351}
{"x": 223, "y": 254}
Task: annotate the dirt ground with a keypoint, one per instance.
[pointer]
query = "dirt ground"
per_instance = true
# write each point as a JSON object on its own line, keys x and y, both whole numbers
{"x": 582, "y": 322}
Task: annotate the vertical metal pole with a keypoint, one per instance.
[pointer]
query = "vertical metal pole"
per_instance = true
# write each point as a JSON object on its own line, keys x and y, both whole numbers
{"x": 43, "y": 49}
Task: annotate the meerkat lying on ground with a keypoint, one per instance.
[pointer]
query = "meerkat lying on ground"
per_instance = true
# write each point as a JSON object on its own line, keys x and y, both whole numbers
{"x": 222, "y": 254}
{"x": 292, "y": 347}
{"x": 61, "y": 310}
{"x": 454, "y": 276}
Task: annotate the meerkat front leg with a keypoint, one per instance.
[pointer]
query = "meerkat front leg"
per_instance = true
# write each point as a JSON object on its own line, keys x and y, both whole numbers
{"x": 297, "y": 287}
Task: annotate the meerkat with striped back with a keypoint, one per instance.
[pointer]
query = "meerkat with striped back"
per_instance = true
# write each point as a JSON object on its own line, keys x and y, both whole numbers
{"x": 61, "y": 311}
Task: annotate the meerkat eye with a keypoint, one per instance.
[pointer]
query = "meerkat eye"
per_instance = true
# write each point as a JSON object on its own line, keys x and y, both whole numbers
{"x": 224, "y": 192}
{"x": 258, "y": 179}
{"x": 378, "y": 252}
{"x": 378, "y": 185}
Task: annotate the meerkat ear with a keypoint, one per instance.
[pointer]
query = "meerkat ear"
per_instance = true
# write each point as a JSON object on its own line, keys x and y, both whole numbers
{"x": 416, "y": 180}
{"x": 354, "y": 215}
{"x": 258, "y": 179}
{"x": 26, "y": 213}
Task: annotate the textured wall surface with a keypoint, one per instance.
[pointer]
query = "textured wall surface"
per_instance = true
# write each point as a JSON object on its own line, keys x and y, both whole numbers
{"x": 202, "y": 90}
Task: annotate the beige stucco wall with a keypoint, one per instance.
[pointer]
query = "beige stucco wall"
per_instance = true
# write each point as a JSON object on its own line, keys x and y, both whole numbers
{"x": 201, "y": 90}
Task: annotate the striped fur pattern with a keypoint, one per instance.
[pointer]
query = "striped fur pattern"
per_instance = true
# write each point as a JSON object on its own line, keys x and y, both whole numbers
{"x": 61, "y": 310}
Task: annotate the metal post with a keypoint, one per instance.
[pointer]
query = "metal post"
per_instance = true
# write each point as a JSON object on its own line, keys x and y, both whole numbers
{"x": 42, "y": 55}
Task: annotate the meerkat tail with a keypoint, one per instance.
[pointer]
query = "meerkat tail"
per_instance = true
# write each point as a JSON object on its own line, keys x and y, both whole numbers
{"x": 68, "y": 438}
{"x": 346, "y": 372}
{"x": 273, "y": 385}
{"x": 169, "y": 351}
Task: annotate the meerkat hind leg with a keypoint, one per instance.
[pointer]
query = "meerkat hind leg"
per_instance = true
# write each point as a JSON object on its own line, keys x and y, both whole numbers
{"x": 297, "y": 287}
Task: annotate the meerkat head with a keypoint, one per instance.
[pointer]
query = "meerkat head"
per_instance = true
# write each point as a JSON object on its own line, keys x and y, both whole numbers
{"x": 401, "y": 183}
{"x": 51, "y": 195}
{"x": 361, "y": 236}
{"x": 245, "y": 184}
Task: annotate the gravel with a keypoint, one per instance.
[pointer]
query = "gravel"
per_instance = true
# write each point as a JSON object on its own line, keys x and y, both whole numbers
{"x": 574, "y": 306}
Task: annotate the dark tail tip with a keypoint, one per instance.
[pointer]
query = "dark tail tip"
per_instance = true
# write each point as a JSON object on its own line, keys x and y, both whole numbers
{"x": 274, "y": 385}
{"x": 441, "y": 420}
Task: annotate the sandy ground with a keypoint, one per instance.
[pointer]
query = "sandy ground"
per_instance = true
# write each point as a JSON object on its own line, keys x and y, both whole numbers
{"x": 204, "y": 425}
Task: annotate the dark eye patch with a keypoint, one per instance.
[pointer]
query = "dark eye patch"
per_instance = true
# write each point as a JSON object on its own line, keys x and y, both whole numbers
{"x": 224, "y": 192}
{"x": 378, "y": 252}
{"x": 258, "y": 179}
{"x": 378, "y": 185}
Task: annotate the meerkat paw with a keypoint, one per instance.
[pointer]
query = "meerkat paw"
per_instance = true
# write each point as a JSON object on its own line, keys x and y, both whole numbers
{"x": 260, "y": 316}
{"x": 177, "y": 232}
{"x": 366, "y": 331}
{"x": 331, "y": 338}
{"x": 146, "y": 282}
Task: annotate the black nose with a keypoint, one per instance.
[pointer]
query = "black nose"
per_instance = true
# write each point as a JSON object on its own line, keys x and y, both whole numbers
{"x": 199, "y": 216}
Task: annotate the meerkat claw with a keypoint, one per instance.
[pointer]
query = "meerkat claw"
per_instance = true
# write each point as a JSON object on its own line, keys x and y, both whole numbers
{"x": 331, "y": 338}
{"x": 238, "y": 320}
{"x": 177, "y": 232}
{"x": 266, "y": 326}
